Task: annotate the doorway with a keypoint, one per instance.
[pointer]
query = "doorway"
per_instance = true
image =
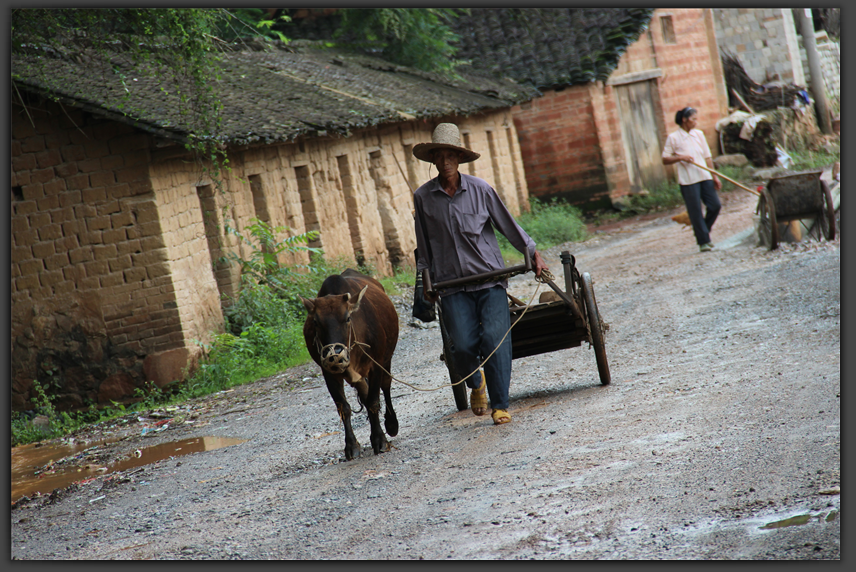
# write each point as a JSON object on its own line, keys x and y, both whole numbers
{"x": 640, "y": 134}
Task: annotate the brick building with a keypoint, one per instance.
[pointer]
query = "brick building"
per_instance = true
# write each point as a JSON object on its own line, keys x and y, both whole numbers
{"x": 611, "y": 82}
{"x": 117, "y": 229}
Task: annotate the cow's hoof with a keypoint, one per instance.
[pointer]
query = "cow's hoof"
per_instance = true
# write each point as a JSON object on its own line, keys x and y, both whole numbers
{"x": 381, "y": 446}
{"x": 352, "y": 452}
{"x": 391, "y": 424}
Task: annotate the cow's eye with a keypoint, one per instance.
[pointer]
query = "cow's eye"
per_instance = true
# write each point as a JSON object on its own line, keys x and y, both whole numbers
{"x": 347, "y": 319}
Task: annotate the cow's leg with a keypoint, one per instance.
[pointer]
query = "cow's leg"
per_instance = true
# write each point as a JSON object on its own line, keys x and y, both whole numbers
{"x": 336, "y": 387}
{"x": 390, "y": 420}
{"x": 371, "y": 399}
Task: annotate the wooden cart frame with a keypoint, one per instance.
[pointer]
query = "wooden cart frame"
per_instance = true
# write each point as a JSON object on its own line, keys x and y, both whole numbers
{"x": 544, "y": 327}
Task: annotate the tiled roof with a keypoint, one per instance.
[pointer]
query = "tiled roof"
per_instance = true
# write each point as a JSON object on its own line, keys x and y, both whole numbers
{"x": 549, "y": 47}
{"x": 270, "y": 95}
{"x": 540, "y": 47}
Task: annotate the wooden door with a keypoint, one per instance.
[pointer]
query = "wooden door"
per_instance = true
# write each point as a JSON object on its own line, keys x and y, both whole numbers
{"x": 641, "y": 135}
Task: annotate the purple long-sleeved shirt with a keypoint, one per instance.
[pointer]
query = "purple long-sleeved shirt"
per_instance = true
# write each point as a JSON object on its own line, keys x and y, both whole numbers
{"x": 455, "y": 235}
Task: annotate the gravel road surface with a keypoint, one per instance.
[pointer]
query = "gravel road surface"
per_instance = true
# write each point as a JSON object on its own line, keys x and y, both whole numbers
{"x": 718, "y": 438}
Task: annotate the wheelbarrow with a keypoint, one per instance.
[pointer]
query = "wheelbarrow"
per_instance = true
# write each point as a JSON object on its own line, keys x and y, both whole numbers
{"x": 543, "y": 327}
{"x": 795, "y": 197}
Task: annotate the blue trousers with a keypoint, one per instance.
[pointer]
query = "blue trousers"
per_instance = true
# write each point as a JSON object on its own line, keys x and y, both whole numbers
{"x": 476, "y": 322}
{"x": 694, "y": 196}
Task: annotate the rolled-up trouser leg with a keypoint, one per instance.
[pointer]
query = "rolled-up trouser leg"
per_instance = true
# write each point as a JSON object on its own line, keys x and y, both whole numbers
{"x": 495, "y": 322}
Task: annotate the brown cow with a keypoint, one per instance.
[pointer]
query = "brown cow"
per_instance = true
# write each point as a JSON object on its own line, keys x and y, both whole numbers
{"x": 351, "y": 321}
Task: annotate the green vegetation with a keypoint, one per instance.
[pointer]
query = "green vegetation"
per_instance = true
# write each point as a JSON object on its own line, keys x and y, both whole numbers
{"x": 416, "y": 37}
{"x": 262, "y": 333}
{"x": 813, "y": 159}
{"x": 548, "y": 223}
{"x": 45, "y": 422}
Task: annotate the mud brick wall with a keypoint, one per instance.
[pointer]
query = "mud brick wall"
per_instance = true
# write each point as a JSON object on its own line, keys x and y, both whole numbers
{"x": 117, "y": 237}
{"x": 94, "y": 308}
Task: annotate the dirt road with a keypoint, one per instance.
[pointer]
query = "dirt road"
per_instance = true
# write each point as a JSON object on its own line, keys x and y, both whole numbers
{"x": 719, "y": 437}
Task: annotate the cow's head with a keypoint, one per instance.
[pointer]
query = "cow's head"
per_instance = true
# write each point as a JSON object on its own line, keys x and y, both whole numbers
{"x": 334, "y": 333}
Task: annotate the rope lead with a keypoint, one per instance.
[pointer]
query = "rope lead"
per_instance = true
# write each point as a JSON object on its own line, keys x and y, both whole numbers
{"x": 546, "y": 276}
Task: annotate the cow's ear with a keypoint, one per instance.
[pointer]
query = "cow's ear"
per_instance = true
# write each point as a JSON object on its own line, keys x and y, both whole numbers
{"x": 356, "y": 305}
{"x": 310, "y": 304}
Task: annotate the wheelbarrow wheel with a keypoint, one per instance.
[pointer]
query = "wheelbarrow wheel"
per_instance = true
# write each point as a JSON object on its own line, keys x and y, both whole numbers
{"x": 459, "y": 390}
{"x": 596, "y": 328}
{"x": 826, "y": 220}
{"x": 768, "y": 229}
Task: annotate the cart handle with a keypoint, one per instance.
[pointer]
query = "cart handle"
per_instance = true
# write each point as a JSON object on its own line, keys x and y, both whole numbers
{"x": 432, "y": 289}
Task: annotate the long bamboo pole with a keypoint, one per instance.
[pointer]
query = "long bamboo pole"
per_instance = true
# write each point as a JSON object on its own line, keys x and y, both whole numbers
{"x": 730, "y": 180}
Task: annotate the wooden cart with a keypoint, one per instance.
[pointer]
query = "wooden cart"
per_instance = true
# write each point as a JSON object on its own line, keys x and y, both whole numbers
{"x": 544, "y": 327}
{"x": 795, "y": 197}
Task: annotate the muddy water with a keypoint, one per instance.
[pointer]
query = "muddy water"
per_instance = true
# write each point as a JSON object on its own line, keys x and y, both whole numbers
{"x": 38, "y": 469}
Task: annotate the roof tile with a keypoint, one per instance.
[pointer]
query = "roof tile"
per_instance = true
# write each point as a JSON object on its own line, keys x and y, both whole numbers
{"x": 269, "y": 95}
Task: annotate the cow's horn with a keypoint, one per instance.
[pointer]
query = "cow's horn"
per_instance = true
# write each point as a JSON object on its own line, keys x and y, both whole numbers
{"x": 356, "y": 305}
{"x": 310, "y": 304}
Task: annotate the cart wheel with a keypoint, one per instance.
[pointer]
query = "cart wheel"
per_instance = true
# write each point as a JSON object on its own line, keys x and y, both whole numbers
{"x": 769, "y": 228}
{"x": 826, "y": 220}
{"x": 595, "y": 325}
{"x": 460, "y": 389}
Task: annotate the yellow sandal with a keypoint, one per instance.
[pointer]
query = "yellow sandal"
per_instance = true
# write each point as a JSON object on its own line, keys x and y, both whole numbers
{"x": 500, "y": 416}
{"x": 478, "y": 398}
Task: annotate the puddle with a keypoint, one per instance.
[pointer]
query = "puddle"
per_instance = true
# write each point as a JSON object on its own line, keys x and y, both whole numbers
{"x": 801, "y": 519}
{"x": 766, "y": 522}
{"x": 34, "y": 469}
{"x": 793, "y": 521}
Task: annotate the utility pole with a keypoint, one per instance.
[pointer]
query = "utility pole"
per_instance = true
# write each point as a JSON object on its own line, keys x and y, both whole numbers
{"x": 818, "y": 88}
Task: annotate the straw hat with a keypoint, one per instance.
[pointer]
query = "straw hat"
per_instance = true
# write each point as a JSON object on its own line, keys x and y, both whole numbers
{"x": 445, "y": 136}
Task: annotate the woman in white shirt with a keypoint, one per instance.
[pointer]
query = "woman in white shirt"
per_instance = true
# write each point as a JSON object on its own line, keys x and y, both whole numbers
{"x": 685, "y": 146}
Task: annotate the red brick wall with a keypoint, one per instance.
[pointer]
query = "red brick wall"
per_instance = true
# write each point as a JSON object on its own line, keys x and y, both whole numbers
{"x": 559, "y": 146}
{"x": 571, "y": 140}
{"x": 692, "y": 72}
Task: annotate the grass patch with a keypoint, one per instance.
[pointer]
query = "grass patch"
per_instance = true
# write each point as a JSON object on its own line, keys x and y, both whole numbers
{"x": 549, "y": 224}
{"x": 810, "y": 160}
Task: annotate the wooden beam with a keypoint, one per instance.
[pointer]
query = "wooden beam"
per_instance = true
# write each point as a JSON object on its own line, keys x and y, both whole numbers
{"x": 633, "y": 77}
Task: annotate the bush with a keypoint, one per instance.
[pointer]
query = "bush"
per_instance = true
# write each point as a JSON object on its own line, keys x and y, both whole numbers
{"x": 549, "y": 224}
{"x": 25, "y": 430}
